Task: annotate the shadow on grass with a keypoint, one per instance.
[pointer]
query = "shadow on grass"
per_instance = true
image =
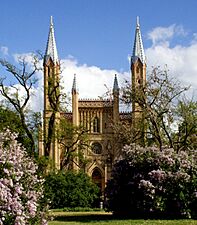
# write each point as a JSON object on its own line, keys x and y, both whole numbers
{"x": 88, "y": 218}
{"x": 85, "y": 218}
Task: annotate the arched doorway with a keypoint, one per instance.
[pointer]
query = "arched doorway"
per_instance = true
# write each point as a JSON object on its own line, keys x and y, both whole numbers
{"x": 97, "y": 177}
{"x": 98, "y": 180}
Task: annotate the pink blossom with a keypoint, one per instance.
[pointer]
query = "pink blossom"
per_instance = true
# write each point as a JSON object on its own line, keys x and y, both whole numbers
{"x": 20, "y": 187}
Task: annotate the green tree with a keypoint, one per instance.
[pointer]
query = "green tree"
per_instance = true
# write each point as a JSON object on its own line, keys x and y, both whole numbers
{"x": 158, "y": 100}
{"x": 186, "y": 137}
{"x": 74, "y": 142}
{"x": 70, "y": 189}
{"x": 24, "y": 77}
{"x": 9, "y": 119}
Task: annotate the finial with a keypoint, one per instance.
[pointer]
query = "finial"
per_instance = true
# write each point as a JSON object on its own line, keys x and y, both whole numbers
{"x": 51, "y": 22}
{"x": 138, "y": 22}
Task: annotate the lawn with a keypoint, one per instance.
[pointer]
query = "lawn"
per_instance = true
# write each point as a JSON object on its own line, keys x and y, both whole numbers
{"x": 102, "y": 218}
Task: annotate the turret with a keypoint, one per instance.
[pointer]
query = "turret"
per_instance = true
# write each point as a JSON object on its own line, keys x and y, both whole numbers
{"x": 138, "y": 69}
{"x": 51, "y": 67}
{"x": 75, "y": 102}
{"x": 116, "y": 100}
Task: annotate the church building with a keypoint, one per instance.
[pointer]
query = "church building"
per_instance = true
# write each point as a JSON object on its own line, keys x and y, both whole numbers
{"x": 97, "y": 116}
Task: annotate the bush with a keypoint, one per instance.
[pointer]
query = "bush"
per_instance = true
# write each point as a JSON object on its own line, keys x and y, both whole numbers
{"x": 151, "y": 183}
{"x": 21, "y": 190}
{"x": 70, "y": 189}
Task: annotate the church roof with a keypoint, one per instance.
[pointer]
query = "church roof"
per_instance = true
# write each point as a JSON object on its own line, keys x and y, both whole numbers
{"x": 51, "y": 49}
{"x": 138, "y": 50}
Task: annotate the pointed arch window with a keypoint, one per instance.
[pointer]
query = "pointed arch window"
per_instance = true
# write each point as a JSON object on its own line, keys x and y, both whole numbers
{"x": 49, "y": 71}
{"x": 96, "y": 125}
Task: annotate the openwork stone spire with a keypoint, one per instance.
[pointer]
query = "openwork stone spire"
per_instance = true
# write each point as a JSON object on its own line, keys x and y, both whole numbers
{"x": 138, "y": 50}
{"x": 51, "y": 49}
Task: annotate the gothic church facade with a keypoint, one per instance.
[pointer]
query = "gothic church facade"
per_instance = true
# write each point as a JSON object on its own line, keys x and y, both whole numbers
{"x": 98, "y": 116}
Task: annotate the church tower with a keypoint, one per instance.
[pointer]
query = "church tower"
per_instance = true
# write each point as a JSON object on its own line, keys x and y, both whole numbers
{"x": 138, "y": 77}
{"x": 51, "y": 113}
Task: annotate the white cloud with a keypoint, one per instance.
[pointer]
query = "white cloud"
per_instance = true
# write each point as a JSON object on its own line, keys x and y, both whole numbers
{"x": 4, "y": 50}
{"x": 91, "y": 80}
{"x": 162, "y": 35}
{"x": 29, "y": 58}
{"x": 37, "y": 98}
{"x": 180, "y": 60}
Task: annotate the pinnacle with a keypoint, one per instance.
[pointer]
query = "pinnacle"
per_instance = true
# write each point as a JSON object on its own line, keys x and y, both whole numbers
{"x": 51, "y": 49}
{"x": 116, "y": 87}
{"x": 138, "y": 49}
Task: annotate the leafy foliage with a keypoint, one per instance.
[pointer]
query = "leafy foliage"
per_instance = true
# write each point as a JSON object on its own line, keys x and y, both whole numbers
{"x": 149, "y": 182}
{"x": 9, "y": 119}
{"x": 186, "y": 137}
{"x": 160, "y": 100}
{"x": 24, "y": 75}
{"x": 70, "y": 189}
{"x": 21, "y": 189}
{"x": 74, "y": 141}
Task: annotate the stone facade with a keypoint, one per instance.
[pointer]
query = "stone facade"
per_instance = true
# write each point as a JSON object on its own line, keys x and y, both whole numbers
{"x": 97, "y": 116}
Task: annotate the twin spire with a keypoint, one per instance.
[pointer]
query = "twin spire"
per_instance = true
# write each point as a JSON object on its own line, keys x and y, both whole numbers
{"x": 138, "y": 49}
{"x": 51, "y": 49}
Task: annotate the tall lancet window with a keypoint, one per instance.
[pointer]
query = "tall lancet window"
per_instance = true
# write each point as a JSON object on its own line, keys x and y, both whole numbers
{"x": 96, "y": 125}
{"x": 49, "y": 71}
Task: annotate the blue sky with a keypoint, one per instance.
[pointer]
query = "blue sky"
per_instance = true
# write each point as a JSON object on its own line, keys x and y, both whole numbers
{"x": 95, "y": 32}
{"x": 99, "y": 34}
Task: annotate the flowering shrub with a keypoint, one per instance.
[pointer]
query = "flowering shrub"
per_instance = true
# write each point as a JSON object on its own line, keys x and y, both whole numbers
{"x": 20, "y": 188}
{"x": 152, "y": 183}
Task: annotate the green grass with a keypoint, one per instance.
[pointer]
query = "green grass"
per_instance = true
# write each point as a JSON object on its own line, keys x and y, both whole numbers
{"x": 102, "y": 218}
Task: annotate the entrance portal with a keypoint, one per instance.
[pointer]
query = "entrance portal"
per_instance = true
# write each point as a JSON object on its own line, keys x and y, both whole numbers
{"x": 97, "y": 178}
